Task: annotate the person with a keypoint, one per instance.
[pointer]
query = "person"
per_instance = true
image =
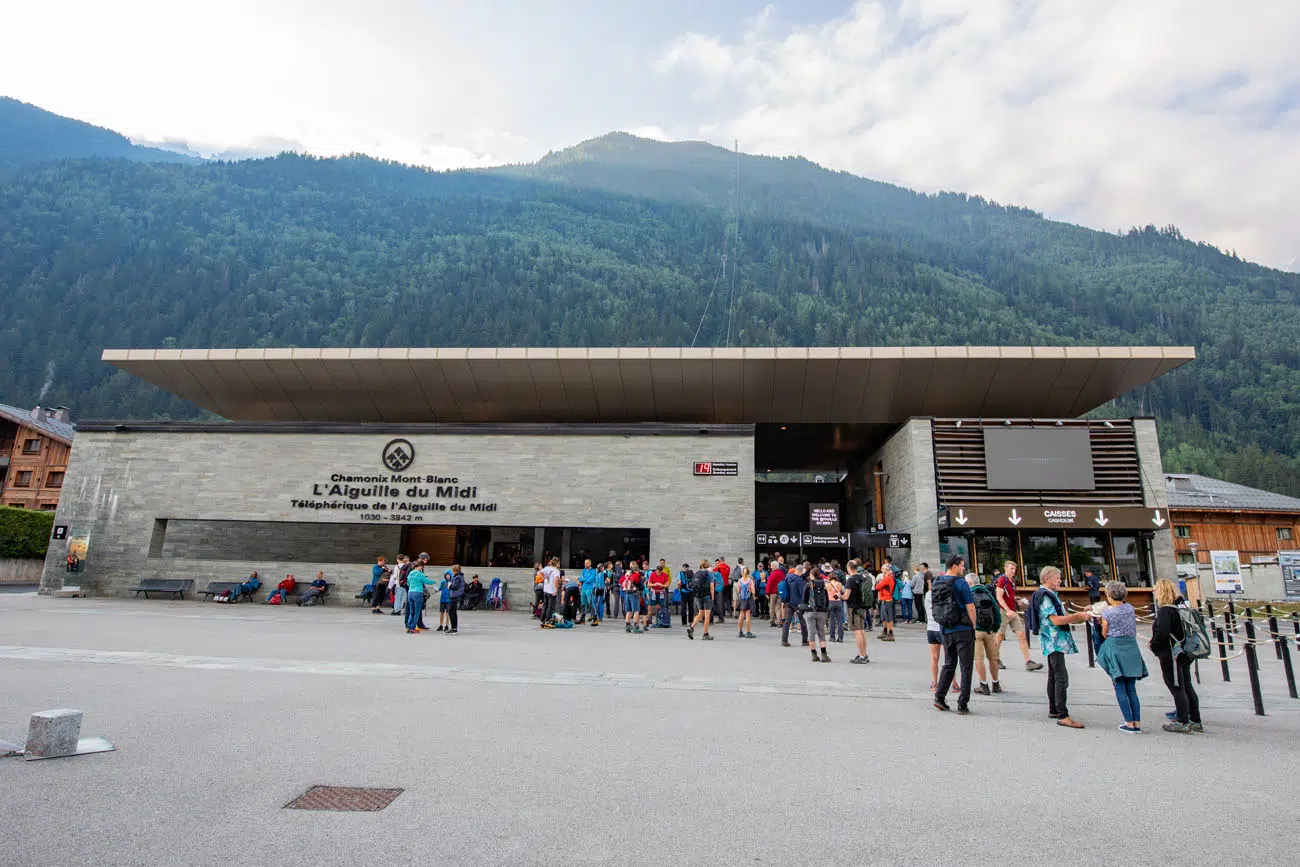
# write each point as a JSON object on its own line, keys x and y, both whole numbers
{"x": 744, "y": 602}
{"x": 416, "y": 583}
{"x": 794, "y": 584}
{"x": 918, "y": 592}
{"x": 1004, "y": 587}
{"x": 1056, "y": 642}
{"x": 760, "y": 590}
{"x": 539, "y": 579}
{"x": 720, "y": 592}
{"x": 550, "y": 590}
{"x": 1167, "y": 636}
{"x": 455, "y": 592}
{"x": 572, "y": 594}
{"x": 835, "y": 614}
{"x": 988, "y": 621}
{"x": 933, "y": 632}
{"x": 857, "y": 597}
{"x": 724, "y": 600}
{"x": 249, "y": 587}
{"x": 315, "y": 591}
{"x": 659, "y": 580}
{"x": 954, "y": 608}
{"x": 601, "y": 601}
{"x": 444, "y": 600}
{"x": 775, "y": 578}
{"x": 378, "y": 580}
{"x": 589, "y": 578}
{"x": 903, "y": 586}
{"x": 1119, "y": 655}
{"x": 702, "y": 584}
{"x": 884, "y": 588}
{"x": 1094, "y": 585}
{"x": 280, "y": 595}
{"x": 686, "y": 597}
{"x": 397, "y": 584}
{"x": 816, "y": 604}
{"x": 632, "y": 598}
{"x": 474, "y": 593}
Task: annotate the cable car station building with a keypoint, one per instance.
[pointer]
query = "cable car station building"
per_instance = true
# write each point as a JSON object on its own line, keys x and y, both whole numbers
{"x": 493, "y": 458}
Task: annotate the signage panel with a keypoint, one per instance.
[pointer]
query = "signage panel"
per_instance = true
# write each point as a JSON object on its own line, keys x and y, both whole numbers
{"x": 815, "y": 540}
{"x": 1290, "y": 563}
{"x": 882, "y": 540}
{"x": 1038, "y": 459}
{"x": 1227, "y": 571}
{"x": 823, "y": 517}
{"x": 778, "y": 538}
{"x": 717, "y": 468}
{"x": 984, "y": 517}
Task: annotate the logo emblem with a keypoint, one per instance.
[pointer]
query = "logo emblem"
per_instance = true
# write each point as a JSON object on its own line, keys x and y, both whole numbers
{"x": 398, "y": 455}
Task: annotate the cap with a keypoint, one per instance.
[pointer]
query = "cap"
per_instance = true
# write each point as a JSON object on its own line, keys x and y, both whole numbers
{"x": 954, "y": 559}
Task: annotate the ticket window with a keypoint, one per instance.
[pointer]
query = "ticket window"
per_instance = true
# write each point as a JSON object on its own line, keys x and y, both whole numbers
{"x": 1132, "y": 559}
{"x": 1089, "y": 554}
{"x": 991, "y": 551}
{"x": 1040, "y": 550}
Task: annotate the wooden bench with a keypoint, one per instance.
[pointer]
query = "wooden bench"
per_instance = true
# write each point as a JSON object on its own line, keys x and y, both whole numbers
{"x": 302, "y": 587}
{"x": 217, "y": 588}
{"x": 175, "y": 586}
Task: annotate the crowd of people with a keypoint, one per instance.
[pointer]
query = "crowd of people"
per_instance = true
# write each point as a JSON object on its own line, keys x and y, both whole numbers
{"x": 407, "y": 586}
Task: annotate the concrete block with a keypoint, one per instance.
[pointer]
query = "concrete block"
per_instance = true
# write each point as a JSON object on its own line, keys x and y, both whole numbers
{"x": 54, "y": 733}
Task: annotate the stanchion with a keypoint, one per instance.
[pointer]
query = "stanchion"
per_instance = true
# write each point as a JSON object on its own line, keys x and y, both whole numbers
{"x": 1252, "y": 665}
{"x": 1087, "y": 634}
{"x": 1295, "y": 627}
{"x": 1286, "y": 666}
{"x": 1278, "y": 641}
{"x": 1223, "y": 654}
{"x": 1229, "y": 622}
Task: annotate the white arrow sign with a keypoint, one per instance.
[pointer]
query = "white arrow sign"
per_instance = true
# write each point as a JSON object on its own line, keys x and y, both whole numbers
{"x": 1102, "y": 520}
{"x": 1157, "y": 519}
{"x": 1015, "y": 519}
{"x": 961, "y": 517}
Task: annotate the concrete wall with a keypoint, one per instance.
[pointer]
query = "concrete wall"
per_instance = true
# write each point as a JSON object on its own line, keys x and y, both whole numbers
{"x": 121, "y": 485}
{"x": 1155, "y": 495}
{"x": 907, "y": 460}
{"x": 16, "y": 570}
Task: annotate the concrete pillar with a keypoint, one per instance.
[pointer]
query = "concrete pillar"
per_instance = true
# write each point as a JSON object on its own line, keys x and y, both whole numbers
{"x": 1155, "y": 496}
{"x": 539, "y": 544}
{"x": 54, "y": 733}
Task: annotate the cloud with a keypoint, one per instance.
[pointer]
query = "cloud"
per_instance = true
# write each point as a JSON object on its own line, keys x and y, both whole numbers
{"x": 1105, "y": 112}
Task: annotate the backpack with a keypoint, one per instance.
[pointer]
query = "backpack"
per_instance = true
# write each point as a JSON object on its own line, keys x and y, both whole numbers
{"x": 948, "y": 613}
{"x": 987, "y": 616}
{"x": 1196, "y": 638}
{"x": 817, "y": 595}
{"x": 700, "y": 583}
{"x": 783, "y": 591}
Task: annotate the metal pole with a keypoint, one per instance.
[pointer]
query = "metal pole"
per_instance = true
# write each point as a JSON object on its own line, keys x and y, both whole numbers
{"x": 1229, "y": 623}
{"x": 1272, "y": 628}
{"x": 1223, "y": 654}
{"x": 1286, "y": 666}
{"x": 1087, "y": 633}
{"x": 1295, "y": 627}
{"x": 1252, "y": 665}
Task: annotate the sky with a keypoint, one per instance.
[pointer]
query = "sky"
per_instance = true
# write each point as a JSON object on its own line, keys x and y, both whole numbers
{"x": 1108, "y": 113}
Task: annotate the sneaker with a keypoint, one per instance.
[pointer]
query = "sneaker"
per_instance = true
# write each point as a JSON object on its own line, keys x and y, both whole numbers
{"x": 410, "y": 632}
{"x": 825, "y": 656}
{"x": 857, "y": 660}
{"x": 750, "y": 635}
{"x": 997, "y": 687}
{"x": 1033, "y": 666}
{"x": 1177, "y": 728}
{"x": 983, "y": 689}
{"x": 956, "y": 687}
{"x": 1196, "y": 727}
{"x": 1171, "y": 715}
{"x": 439, "y": 629}
{"x": 785, "y": 644}
{"x": 1002, "y": 666}
{"x": 690, "y": 632}
{"x": 706, "y": 637}
{"x": 962, "y": 711}
{"x": 740, "y": 635}
{"x": 627, "y": 627}
{"x": 453, "y": 632}
{"x": 941, "y": 705}
{"x": 1127, "y": 730}
{"x": 636, "y": 630}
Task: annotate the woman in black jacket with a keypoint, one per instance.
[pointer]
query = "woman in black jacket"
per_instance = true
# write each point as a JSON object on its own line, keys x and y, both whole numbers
{"x": 1176, "y": 668}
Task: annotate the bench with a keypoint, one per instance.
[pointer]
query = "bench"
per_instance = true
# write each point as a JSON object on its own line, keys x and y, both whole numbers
{"x": 217, "y": 588}
{"x": 175, "y": 586}
{"x": 302, "y": 587}
{"x": 365, "y": 597}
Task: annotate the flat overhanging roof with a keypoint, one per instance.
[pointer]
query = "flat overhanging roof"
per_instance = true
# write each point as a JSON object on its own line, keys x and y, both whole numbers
{"x": 867, "y": 385}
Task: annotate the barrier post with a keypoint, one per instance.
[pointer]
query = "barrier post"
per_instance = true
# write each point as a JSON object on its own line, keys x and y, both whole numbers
{"x": 1295, "y": 627}
{"x": 1228, "y": 622}
{"x": 1286, "y": 666}
{"x": 1223, "y": 654}
{"x": 1278, "y": 641}
{"x": 1252, "y": 665}
{"x": 1087, "y": 634}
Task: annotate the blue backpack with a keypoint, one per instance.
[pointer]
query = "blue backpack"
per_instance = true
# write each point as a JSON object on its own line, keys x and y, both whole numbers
{"x": 783, "y": 591}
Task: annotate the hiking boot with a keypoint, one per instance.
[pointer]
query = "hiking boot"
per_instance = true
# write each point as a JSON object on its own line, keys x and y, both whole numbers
{"x": 1177, "y": 728}
{"x": 962, "y": 711}
{"x": 983, "y": 689}
{"x": 815, "y": 658}
{"x": 997, "y": 687}
{"x": 941, "y": 705}
{"x": 1196, "y": 727}
{"x": 706, "y": 637}
{"x": 627, "y": 627}
{"x": 859, "y": 660}
{"x": 1002, "y": 666}
{"x": 825, "y": 656}
{"x": 1033, "y": 666}
{"x": 785, "y": 644}
{"x": 750, "y": 635}
{"x": 636, "y": 630}
{"x": 453, "y": 632}
{"x": 690, "y": 632}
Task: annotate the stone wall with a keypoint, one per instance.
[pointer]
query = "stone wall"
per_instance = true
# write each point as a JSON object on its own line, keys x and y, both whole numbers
{"x": 122, "y": 486}
{"x": 20, "y": 570}
{"x": 907, "y": 460}
{"x": 1155, "y": 495}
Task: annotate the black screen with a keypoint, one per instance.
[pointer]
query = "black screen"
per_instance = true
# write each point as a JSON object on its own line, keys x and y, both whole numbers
{"x": 1029, "y": 459}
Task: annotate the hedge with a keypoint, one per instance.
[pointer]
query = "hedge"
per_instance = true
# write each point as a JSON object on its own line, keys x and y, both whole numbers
{"x": 24, "y": 532}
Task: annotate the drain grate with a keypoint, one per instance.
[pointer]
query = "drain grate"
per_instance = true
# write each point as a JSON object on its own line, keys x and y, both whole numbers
{"x": 343, "y": 799}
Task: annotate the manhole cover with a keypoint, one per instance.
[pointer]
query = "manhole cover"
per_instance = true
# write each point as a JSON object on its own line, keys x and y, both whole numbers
{"x": 344, "y": 799}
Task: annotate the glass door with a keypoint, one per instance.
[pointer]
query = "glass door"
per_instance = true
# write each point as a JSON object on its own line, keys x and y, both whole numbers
{"x": 1089, "y": 555}
{"x": 1041, "y": 549}
{"x": 991, "y": 551}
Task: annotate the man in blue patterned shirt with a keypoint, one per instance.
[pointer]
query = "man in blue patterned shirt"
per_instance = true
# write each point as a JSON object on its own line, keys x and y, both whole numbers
{"x": 1056, "y": 642}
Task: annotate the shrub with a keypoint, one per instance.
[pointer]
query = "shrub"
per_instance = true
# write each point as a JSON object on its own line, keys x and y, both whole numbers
{"x": 24, "y": 532}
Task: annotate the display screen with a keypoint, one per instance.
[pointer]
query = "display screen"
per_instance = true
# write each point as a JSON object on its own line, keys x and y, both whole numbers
{"x": 823, "y": 516}
{"x": 1038, "y": 459}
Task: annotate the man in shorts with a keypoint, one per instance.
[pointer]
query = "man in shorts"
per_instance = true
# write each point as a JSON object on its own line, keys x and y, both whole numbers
{"x": 859, "y": 603}
{"x": 702, "y": 587}
{"x": 885, "y": 600}
{"x": 658, "y": 583}
{"x": 1005, "y": 590}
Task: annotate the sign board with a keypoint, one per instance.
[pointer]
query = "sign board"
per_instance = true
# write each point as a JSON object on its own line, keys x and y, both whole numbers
{"x": 882, "y": 540}
{"x": 824, "y": 517}
{"x": 717, "y": 468}
{"x": 1038, "y": 459}
{"x": 983, "y": 517}
{"x": 60, "y": 531}
{"x": 1290, "y": 563}
{"x": 816, "y": 540}
{"x": 878, "y": 528}
{"x": 1227, "y": 571}
{"x": 777, "y": 538}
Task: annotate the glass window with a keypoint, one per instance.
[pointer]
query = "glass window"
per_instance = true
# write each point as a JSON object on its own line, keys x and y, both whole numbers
{"x": 991, "y": 551}
{"x": 31, "y": 447}
{"x": 1182, "y": 531}
{"x": 949, "y": 545}
{"x": 1131, "y": 560}
{"x": 1041, "y": 549}
{"x": 1284, "y": 534}
{"x": 23, "y": 479}
{"x": 1089, "y": 554}
{"x": 54, "y": 480}
{"x": 1186, "y": 557}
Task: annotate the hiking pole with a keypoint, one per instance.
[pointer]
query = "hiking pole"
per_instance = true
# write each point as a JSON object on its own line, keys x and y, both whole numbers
{"x": 1223, "y": 654}
{"x": 1272, "y": 627}
{"x": 1087, "y": 633}
{"x": 1252, "y": 665}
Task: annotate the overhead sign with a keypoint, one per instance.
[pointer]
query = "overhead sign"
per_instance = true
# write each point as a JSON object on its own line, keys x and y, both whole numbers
{"x": 772, "y": 538}
{"x": 823, "y": 517}
{"x": 1227, "y": 571}
{"x": 882, "y": 540}
{"x": 60, "y": 531}
{"x": 815, "y": 540}
{"x": 1290, "y": 563}
{"x": 984, "y": 517}
{"x": 717, "y": 468}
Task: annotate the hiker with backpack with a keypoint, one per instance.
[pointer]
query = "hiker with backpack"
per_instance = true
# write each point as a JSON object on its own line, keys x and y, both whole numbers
{"x": 988, "y": 620}
{"x": 794, "y": 586}
{"x": 816, "y": 611}
{"x": 775, "y": 587}
{"x": 1178, "y": 637}
{"x": 835, "y": 588}
{"x": 1119, "y": 655}
{"x": 884, "y": 588}
{"x": 702, "y": 587}
{"x": 1048, "y": 620}
{"x": 953, "y": 608}
{"x": 744, "y": 602}
{"x": 858, "y": 597}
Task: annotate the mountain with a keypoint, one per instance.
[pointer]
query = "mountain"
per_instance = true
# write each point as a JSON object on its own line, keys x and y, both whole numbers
{"x": 619, "y": 241}
{"x": 30, "y": 135}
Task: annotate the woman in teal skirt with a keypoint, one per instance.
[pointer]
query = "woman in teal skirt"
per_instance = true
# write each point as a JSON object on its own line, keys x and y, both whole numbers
{"x": 1120, "y": 656}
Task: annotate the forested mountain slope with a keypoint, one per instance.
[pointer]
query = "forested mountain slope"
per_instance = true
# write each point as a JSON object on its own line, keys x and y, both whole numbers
{"x": 355, "y": 252}
{"x": 30, "y": 135}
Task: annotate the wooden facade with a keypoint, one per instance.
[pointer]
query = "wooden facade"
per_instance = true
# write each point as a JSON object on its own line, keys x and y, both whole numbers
{"x": 33, "y": 464}
{"x": 1252, "y": 534}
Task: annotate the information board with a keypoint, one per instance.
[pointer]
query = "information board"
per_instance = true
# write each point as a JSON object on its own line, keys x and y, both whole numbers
{"x": 824, "y": 517}
{"x": 1290, "y": 563}
{"x": 1227, "y": 571}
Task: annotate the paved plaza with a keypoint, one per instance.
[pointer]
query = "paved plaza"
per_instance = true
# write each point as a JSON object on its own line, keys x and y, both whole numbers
{"x": 591, "y": 746}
